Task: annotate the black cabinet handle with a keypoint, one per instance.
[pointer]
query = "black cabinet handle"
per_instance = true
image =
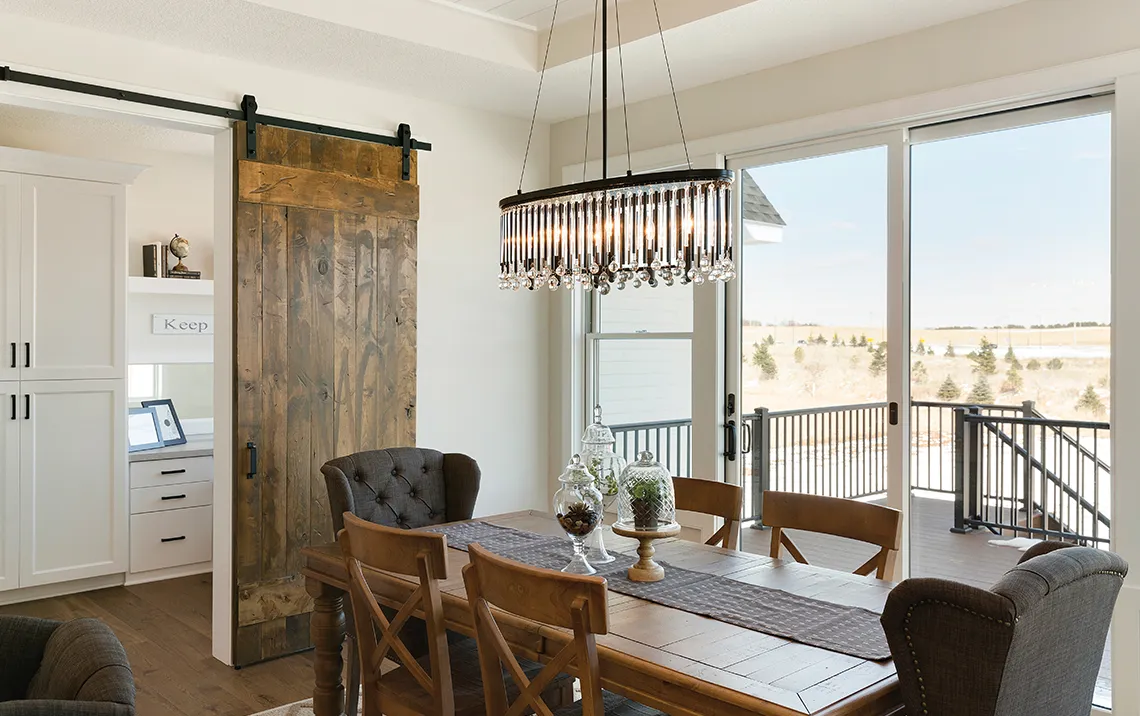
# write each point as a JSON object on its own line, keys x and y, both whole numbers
{"x": 174, "y": 497}
{"x": 13, "y": 406}
{"x": 27, "y": 406}
{"x": 13, "y": 354}
{"x": 27, "y": 355}
{"x": 173, "y": 472}
{"x": 252, "y": 460}
{"x": 174, "y": 539}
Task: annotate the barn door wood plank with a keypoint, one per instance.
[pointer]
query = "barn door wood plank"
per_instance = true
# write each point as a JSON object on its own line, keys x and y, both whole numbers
{"x": 322, "y": 370}
{"x": 387, "y": 237}
{"x": 349, "y": 233}
{"x": 405, "y": 306}
{"x": 298, "y": 481}
{"x": 247, "y": 413}
{"x": 275, "y": 392}
{"x": 367, "y": 394}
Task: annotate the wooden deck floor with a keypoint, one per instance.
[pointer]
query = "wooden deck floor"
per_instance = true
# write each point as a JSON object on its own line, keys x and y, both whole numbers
{"x": 935, "y": 552}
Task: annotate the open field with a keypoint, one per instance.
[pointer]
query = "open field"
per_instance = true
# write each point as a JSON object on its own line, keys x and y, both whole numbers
{"x": 842, "y": 375}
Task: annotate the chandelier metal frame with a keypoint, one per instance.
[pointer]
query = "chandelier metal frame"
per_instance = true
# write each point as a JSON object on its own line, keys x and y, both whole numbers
{"x": 639, "y": 229}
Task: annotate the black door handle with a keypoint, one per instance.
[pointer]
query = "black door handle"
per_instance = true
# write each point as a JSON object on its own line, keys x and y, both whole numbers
{"x": 252, "y": 447}
{"x": 13, "y": 406}
{"x": 174, "y": 497}
{"x": 174, "y": 539}
{"x": 27, "y": 355}
{"x": 894, "y": 413}
{"x": 730, "y": 440}
{"x": 27, "y": 406}
{"x": 745, "y": 437}
{"x": 13, "y": 354}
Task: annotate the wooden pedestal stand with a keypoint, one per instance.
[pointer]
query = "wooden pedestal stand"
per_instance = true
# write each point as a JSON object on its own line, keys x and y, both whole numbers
{"x": 646, "y": 570}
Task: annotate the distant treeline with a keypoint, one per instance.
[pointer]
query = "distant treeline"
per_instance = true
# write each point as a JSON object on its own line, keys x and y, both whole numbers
{"x": 1018, "y": 326}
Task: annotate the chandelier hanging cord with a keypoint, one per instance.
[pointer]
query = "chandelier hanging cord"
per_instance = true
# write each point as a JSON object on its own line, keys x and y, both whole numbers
{"x": 624, "y": 99}
{"x": 538, "y": 98}
{"x": 672, "y": 85}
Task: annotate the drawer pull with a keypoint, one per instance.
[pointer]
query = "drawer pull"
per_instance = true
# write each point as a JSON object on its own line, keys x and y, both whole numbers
{"x": 174, "y": 497}
{"x": 173, "y": 472}
{"x": 174, "y": 539}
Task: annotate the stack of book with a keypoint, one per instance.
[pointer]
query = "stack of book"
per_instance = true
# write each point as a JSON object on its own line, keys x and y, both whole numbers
{"x": 156, "y": 263}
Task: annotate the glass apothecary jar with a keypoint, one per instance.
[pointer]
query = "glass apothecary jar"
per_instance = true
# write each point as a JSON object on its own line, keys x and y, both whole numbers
{"x": 606, "y": 466}
{"x": 645, "y": 496}
{"x": 578, "y": 508}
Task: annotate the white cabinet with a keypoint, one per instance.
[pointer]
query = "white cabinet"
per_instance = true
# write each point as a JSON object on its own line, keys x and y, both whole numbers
{"x": 9, "y": 485}
{"x": 73, "y": 487}
{"x": 74, "y": 282}
{"x": 10, "y": 277}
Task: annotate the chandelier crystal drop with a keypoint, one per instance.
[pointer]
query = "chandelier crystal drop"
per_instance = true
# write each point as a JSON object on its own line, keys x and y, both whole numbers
{"x": 635, "y": 230}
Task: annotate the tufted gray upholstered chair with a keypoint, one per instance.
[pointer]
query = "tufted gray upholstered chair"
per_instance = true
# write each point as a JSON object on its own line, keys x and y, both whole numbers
{"x": 1030, "y": 645}
{"x": 406, "y": 487}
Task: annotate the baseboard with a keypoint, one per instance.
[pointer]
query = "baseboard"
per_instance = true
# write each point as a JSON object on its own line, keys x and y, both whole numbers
{"x": 46, "y": 591}
{"x": 158, "y": 575}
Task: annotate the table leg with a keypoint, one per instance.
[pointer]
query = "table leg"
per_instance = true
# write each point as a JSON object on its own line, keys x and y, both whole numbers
{"x": 327, "y": 631}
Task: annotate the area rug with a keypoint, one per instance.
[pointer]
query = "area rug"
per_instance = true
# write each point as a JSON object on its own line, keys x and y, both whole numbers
{"x": 301, "y": 708}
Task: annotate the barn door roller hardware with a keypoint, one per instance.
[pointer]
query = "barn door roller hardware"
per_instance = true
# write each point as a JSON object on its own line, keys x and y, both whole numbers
{"x": 247, "y": 113}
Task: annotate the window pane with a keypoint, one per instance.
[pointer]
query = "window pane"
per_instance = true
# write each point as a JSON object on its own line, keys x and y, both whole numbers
{"x": 141, "y": 381}
{"x": 665, "y": 309}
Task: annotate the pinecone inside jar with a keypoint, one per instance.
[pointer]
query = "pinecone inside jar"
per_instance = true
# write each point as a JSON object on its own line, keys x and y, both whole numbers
{"x": 579, "y": 519}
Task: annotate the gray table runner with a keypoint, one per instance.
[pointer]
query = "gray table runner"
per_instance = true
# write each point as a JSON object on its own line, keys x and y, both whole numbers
{"x": 847, "y": 630}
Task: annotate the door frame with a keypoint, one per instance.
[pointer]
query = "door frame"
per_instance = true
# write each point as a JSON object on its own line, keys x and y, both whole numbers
{"x": 897, "y": 296}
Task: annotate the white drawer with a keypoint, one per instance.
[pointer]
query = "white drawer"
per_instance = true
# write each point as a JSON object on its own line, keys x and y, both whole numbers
{"x": 156, "y": 473}
{"x": 173, "y": 497}
{"x": 171, "y": 538}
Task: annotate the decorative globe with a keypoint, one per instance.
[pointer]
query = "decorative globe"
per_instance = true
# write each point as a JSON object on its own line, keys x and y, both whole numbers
{"x": 645, "y": 496}
{"x": 578, "y": 508}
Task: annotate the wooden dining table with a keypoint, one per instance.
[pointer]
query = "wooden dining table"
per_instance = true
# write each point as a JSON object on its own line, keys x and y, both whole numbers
{"x": 681, "y": 663}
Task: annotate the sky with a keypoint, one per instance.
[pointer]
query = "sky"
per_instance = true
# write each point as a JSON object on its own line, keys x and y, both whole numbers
{"x": 1006, "y": 227}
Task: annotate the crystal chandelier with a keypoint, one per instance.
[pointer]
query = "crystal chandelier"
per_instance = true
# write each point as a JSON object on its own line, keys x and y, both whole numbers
{"x": 636, "y": 229}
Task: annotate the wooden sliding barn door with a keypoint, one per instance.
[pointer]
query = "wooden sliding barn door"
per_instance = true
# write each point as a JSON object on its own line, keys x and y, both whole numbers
{"x": 325, "y": 342}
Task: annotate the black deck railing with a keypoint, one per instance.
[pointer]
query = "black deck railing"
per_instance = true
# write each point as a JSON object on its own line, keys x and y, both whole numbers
{"x": 1009, "y": 468}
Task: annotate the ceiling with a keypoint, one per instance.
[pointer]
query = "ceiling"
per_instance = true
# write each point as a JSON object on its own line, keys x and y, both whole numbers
{"x": 534, "y": 13}
{"x": 476, "y": 53}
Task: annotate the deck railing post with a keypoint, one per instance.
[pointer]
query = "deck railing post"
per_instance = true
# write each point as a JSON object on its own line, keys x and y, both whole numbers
{"x": 761, "y": 463}
{"x": 973, "y": 463}
{"x": 959, "y": 471}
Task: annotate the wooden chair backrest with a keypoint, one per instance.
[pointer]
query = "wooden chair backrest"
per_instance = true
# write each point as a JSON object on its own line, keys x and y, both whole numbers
{"x": 420, "y": 554}
{"x": 710, "y": 497}
{"x": 862, "y": 521}
{"x": 542, "y": 595}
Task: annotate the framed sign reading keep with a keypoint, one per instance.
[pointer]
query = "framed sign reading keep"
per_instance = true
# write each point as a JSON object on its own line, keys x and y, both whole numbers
{"x": 182, "y": 325}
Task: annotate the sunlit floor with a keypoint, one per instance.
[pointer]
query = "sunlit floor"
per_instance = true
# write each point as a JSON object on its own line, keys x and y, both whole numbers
{"x": 935, "y": 552}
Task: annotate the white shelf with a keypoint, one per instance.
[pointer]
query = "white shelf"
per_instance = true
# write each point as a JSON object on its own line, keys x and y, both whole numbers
{"x": 171, "y": 286}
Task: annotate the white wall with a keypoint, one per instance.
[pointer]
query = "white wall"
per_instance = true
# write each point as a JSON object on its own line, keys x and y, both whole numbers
{"x": 482, "y": 374}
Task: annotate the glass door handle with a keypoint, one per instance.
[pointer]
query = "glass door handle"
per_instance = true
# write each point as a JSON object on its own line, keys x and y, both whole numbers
{"x": 745, "y": 437}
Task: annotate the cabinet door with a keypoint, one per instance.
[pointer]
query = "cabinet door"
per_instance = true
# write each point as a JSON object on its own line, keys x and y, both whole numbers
{"x": 10, "y": 277}
{"x": 73, "y": 253}
{"x": 9, "y": 486}
{"x": 73, "y": 480}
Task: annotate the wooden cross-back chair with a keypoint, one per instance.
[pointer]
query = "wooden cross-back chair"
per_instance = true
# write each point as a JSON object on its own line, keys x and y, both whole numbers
{"x": 862, "y": 521}
{"x": 710, "y": 497}
{"x": 410, "y": 690}
{"x": 573, "y": 602}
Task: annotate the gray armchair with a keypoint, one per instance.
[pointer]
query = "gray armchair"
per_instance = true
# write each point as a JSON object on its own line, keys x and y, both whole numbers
{"x": 405, "y": 487}
{"x": 74, "y": 668}
{"x": 1030, "y": 645}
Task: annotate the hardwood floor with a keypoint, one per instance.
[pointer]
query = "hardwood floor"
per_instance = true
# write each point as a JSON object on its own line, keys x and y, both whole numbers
{"x": 165, "y": 627}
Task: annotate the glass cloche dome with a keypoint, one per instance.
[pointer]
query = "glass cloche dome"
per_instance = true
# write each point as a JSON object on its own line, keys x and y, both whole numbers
{"x": 645, "y": 496}
{"x": 599, "y": 457}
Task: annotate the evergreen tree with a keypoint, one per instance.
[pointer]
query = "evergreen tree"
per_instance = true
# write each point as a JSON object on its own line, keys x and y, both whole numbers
{"x": 981, "y": 393}
{"x": 762, "y": 359}
{"x": 835, "y": 342}
{"x": 921, "y": 349}
{"x": 878, "y": 362}
{"x": 1103, "y": 382}
{"x": 770, "y": 340}
{"x": 854, "y": 341}
{"x": 929, "y": 351}
{"x": 949, "y": 390}
{"x": 1013, "y": 382}
{"x": 1010, "y": 357}
{"x": 985, "y": 362}
{"x": 811, "y": 339}
{"x": 799, "y": 354}
{"x": 1090, "y": 401}
{"x": 1015, "y": 364}
{"x": 1033, "y": 364}
{"x": 863, "y": 340}
{"x": 950, "y": 350}
{"x": 1055, "y": 364}
{"x": 821, "y": 341}
{"x": 918, "y": 373}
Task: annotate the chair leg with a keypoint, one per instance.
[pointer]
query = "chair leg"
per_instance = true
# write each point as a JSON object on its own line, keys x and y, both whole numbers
{"x": 352, "y": 695}
{"x": 559, "y": 694}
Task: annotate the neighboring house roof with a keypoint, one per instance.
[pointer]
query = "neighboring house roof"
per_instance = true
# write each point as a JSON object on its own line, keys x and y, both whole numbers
{"x": 756, "y": 204}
